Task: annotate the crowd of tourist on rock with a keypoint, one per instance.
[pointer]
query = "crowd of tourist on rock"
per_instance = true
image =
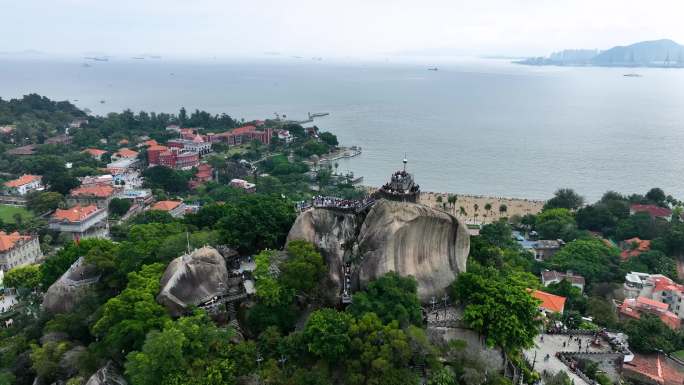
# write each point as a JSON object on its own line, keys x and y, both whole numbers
{"x": 339, "y": 203}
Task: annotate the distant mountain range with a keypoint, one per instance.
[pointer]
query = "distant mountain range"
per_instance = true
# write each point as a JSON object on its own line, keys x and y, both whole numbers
{"x": 656, "y": 53}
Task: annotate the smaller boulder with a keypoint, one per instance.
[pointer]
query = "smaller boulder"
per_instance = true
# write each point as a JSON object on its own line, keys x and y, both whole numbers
{"x": 192, "y": 279}
{"x": 107, "y": 375}
{"x": 71, "y": 287}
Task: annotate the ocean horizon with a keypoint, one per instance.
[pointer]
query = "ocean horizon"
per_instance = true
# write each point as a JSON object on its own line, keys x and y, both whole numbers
{"x": 475, "y": 126}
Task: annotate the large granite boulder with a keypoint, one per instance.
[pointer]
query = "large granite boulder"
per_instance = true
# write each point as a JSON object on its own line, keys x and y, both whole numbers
{"x": 192, "y": 279}
{"x": 408, "y": 238}
{"x": 63, "y": 295}
{"x": 107, "y": 375}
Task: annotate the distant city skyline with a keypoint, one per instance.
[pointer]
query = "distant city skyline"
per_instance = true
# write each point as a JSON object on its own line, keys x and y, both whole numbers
{"x": 353, "y": 28}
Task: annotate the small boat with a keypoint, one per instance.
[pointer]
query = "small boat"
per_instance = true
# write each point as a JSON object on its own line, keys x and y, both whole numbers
{"x": 102, "y": 102}
{"x": 632, "y": 75}
{"x": 433, "y": 69}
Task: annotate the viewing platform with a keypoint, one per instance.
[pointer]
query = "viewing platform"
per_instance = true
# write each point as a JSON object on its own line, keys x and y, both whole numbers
{"x": 349, "y": 205}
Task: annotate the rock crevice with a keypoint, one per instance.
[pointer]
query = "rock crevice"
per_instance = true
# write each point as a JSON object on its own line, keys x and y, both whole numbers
{"x": 408, "y": 238}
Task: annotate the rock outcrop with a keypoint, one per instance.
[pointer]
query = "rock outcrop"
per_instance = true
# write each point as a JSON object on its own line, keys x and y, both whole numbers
{"x": 107, "y": 375}
{"x": 63, "y": 295}
{"x": 192, "y": 279}
{"x": 407, "y": 238}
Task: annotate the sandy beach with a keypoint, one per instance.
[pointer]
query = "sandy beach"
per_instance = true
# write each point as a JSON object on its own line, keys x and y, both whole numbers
{"x": 513, "y": 206}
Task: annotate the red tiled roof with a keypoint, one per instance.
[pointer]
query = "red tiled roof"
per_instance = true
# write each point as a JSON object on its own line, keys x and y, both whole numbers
{"x": 123, "y": 141}
{"x": 652, "y": 210}
{"x": 657, "y": 368}
{"x": 22, "y": 180}
{"x": 166, "y": 205}
{"x": 95, "y": 151}
{"x": 7, "y": 241}
{"x": 150, "y": 143}
{"x": 126, "y": 153}
{"x": 242, "y": 130}
{"x": 75, "y": 214}
{"x": 647, "y": 302}
{"x": 93, "y": 190}
{"x": 551, "y": 302}
{"x": 663, "y": 283}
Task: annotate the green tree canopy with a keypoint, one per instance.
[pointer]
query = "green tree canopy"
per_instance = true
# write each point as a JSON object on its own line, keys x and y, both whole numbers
{"x": 590, "y": 258}
{"x": 499, "y": 307}
{"x": 565, "y": 198}
{"x": 190, "y": 350}
{"x": 27, "y": 277}
{"x": 167, "y": 179}
{"x": 391, "y": 297}
{"x": 649, "y": 334}
{"x": 126, "y": 318}
{"x": 556, "y": 223}
{"x": 327, "y": 333}
{"x": 119, "y": 206}
{"x": 42, "y": 202}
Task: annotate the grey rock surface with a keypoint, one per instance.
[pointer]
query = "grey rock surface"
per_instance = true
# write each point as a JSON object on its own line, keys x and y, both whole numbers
{"x": 107, "y": 375}
{"x": 408, "y": 238}
{"x": 63, "y": 295}
{"x": 192, "y": 279}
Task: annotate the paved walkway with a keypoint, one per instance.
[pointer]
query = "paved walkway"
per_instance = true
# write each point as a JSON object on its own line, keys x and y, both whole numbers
{"x": 552, "y": 343}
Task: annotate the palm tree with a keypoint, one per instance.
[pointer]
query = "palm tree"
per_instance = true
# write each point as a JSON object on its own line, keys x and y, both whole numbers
{"x": 503, "y": 209}
{"x": 488, "y": 208}
{"x": 452, "y": 200}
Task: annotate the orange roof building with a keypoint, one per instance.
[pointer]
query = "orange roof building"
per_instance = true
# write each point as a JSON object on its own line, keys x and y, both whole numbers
{"x": 125, "y": 153}
{"x": 95, "y": 152}
{"x": 75, "y": 214}
{"x": 175, "y": 208}
{"x": 95, "y": 190}
{"x": 550, "y": 302}
{"x": 24, "y": 184}
{"x": 7, "y": 241}
{"x": 634, "y": 308}
{"x": 656, "y": 369}
{"x": 166, "y": 205}
{"x": 97, "y": 194}
{"x": 81, "y": 221}
{"x": 18, "y": 250}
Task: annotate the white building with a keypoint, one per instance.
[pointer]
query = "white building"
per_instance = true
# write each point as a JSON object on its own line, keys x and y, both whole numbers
{"x": 196, "y": 145}
{"x": 18, "y": 250}
{"x": 656, "y": 287}
{"x": 243, "y": 184}
{"x": 24, "y": 184}
{"x": 81, "y": 222}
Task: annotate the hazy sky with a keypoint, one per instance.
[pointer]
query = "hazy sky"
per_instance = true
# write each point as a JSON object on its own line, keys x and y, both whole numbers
{"x": 341, "y": 28}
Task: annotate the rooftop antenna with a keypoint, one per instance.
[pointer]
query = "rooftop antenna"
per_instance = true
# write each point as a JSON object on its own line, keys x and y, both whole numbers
{"x": 405, "y": 161}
